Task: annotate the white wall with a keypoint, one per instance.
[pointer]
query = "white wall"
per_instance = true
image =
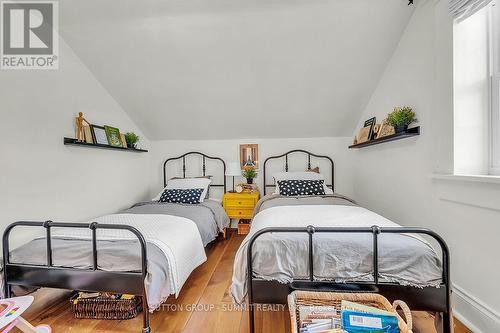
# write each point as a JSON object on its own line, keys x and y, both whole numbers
{"x": 40, "y": 178}
{"x": 229, "y": 151}
{"x": 396, "y": 179}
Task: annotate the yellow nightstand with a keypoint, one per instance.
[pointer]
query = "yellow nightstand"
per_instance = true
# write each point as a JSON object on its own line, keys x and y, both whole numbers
{"x": 240, "y": 206}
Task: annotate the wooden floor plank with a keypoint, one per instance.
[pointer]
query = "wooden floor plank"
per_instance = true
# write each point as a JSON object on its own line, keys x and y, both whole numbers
{"x": 207, "y": 288}
{"x": 461, "y": 328}
{"x": 174, "y": 321}
{"x": 212, "y": 301}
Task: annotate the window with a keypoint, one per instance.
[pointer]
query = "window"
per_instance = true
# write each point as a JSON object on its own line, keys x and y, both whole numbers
{"x": 477, "y": 93}
{"x": 494, "y": 44}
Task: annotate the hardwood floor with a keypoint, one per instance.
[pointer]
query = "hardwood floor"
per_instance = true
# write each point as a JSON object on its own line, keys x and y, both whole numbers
{"x": 204, "y": 305}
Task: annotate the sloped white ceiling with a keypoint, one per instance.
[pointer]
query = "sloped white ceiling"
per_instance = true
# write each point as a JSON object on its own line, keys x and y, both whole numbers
{"x": 210, "y": 69}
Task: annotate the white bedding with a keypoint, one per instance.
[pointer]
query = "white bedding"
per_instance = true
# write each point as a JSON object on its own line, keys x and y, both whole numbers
{"x": 283, "y": 257}
{"x": 177, "y": 237}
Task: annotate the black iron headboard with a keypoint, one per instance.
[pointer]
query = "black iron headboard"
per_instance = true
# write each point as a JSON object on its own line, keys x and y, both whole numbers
{"x": 204, "y": 167}
{"x": 309, "y": 154}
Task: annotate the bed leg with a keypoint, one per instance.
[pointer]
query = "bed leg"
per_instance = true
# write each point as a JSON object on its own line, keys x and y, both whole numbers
{"x": 447, "y": 322}
{"x": 145, "y": 315}
{"x": 251, "y": 318}
{"x": 8, "y": 291}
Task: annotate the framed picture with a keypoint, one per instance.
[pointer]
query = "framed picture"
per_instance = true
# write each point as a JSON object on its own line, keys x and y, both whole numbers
{"x": 249, "y": 156}
{"x": 385, "y": 130}
{"x": 99, "y": 135}
{"x": 113, "y": 135}
{"x": 370, "y": 123}
{"x": 364, "y": 134}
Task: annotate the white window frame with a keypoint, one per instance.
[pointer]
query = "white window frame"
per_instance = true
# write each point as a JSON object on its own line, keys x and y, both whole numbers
{"x": 494, "y": 89}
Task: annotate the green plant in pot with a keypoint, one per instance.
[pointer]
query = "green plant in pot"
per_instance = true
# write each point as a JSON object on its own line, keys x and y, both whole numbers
{"x": 131, "y": 139}
{"x": 401, "y": 118}
{"x": 249, "y": 174}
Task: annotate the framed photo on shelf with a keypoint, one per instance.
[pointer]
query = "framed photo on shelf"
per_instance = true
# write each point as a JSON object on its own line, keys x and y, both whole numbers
{"x": 370, "y": 123}
{"x": 113, "y": 135}
{"x": 99, "y": 135}
{"x": 249, "y": 156}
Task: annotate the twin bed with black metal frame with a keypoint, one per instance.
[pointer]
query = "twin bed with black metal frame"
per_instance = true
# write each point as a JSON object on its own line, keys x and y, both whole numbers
{"x": 93, "y": 279}
{"x": 264, "y": 291}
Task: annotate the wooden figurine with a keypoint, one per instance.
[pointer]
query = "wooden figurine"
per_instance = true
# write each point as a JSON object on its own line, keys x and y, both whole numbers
{"x": 80, "y": 133}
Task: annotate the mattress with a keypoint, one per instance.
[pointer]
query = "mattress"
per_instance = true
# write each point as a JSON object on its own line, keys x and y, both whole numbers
{"x": 118, "y": 255}
{"x": 209, "y": 216}
{"x": 341, "y": 257}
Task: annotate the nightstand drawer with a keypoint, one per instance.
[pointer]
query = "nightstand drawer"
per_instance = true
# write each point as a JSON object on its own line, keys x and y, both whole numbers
{"x": 239, "y": 203}
{"x": 236, "y": 213}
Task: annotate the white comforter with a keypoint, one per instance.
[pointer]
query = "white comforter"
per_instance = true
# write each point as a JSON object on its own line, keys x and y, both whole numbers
{"x": 177, "y": 237}
{"x": 341, "y": 257}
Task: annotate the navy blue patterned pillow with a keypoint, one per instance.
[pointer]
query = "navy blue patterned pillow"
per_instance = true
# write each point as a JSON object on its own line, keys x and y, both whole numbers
{"x": 185, "y": 196}
{"x": 294, "y": 188}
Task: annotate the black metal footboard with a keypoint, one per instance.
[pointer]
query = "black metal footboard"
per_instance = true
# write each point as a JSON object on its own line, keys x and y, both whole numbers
{"x": 424, "y": 299}
{"x": 92, "y": 279}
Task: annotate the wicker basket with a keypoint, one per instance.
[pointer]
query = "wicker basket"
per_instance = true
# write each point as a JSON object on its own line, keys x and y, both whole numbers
{"x": 105, "y": 308}
{"x": 298, "y": 298}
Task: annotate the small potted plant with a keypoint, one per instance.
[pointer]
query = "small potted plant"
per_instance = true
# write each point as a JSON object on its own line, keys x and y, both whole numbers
{"x": 132, "y": 140}
{"x": 401, "y": 118}
{"x": 249, "y": 174}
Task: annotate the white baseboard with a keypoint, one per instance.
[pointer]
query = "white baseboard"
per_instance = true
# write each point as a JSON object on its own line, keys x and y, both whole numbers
{"x": 473, "y": 313}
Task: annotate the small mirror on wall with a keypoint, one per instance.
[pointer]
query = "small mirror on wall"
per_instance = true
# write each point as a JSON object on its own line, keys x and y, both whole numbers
{"x": 249, "y": 156}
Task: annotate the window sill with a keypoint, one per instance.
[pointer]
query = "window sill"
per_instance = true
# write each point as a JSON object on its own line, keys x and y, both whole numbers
{"x": 471, "y": 190}
{"x": 490, "y": 179}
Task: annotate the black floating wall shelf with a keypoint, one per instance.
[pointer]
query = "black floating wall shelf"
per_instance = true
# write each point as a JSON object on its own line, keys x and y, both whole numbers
{"x": 398, "y": 136}
{"x": 74, "y": 142}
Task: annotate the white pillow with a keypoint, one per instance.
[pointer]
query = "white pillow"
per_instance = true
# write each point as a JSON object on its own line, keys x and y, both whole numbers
{"x": 328, "y": 190}
{"x": 219, "y": 200}
{"x": 299, "y": 175}
{"x": 187, "y": 183}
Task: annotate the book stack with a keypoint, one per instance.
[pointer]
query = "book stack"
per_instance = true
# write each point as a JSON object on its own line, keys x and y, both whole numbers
{"x": 85, "y": 295}
{"x": 350, "y": 318}
{"x": 315, "y": 319}
{"x": 357, "y": 318}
